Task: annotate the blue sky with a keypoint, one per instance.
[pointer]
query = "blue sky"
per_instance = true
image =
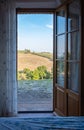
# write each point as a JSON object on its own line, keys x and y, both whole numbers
{"x": 35, "y": 32}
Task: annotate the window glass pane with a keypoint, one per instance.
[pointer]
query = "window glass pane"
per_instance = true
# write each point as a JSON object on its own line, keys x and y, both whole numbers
{"x": 73, "y": 16}
{"x": 74, "y": 46}
{"x": 61, "y": 20}
{"x": 61, "y": 47}
{"x": 73, "y": 76}
{"x": 60, "y": 73}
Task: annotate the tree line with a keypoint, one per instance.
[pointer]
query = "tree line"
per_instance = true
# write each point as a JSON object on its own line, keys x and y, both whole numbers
{"x": 42, "y": 54}
{"x": 40, "y": 72}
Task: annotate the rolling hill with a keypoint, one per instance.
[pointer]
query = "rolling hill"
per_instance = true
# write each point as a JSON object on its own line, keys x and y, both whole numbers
{"x": 33, "y": 60}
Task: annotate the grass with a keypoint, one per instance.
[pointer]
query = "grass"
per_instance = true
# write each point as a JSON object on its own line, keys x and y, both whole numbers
{"x": 35, "y": 85}
{"x": 35, "y": 95}
{"x": 35, "y": 90}
{"x": 45, "y": 54}
{"x": 48, "y": 55}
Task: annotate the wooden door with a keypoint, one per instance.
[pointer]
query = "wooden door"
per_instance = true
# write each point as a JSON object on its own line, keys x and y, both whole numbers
{"x": 59, "y": 61}
{"x": 73, "y": 58}
{"x": 67, "y": 59}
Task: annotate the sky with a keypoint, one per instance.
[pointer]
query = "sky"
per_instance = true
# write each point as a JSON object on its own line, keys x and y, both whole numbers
{"x": 35, "y": 32}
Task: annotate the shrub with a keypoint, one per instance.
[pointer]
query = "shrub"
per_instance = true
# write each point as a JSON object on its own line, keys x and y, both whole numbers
{"x": 39, "y": 73}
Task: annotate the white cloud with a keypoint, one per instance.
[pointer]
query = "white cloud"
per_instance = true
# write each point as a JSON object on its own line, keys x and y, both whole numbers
{"x": 49, "y": 26}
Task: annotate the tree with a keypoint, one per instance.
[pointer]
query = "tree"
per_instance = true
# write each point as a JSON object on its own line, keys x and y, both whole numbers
{"x": 27, "y": 51}
{"x": 42, "y": 71}
{"x": 28, "y": 73}
{"x": 21, "y": 76}
{"x": 35, "y": 75}
{"x": 39, "y": 73}
{"x": 48, "y": 75}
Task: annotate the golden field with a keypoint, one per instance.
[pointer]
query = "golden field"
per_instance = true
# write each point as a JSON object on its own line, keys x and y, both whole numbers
{"x": 32, "y": 61}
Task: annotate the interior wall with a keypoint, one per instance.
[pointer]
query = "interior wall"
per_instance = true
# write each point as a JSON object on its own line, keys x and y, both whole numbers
{"x": 49, "y": 4}
{"x": 8, "y": 89}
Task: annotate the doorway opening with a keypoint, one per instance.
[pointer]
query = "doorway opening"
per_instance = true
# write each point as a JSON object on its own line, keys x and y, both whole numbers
{"x": 35, "y": 62}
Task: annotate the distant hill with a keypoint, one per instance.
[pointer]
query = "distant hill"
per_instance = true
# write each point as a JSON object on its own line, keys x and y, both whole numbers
{"x": 32, "y": 60}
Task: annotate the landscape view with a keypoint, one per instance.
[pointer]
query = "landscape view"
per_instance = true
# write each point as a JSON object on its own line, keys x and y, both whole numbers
{"x": 35, "y": 75}
{"x": 35, "y": 62}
